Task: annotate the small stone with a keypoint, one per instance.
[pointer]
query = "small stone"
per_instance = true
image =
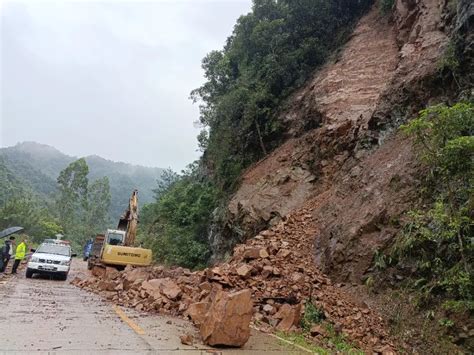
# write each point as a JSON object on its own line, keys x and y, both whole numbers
{"x": 283, "y": 253}
{"x": 290, "y": 316}
{"x": 244, "y": 270}
{"x": 263, "y": 253}
{"x": 186, "y": 339}
{"x": 268, "y": 308}
{"x": 317, "y": 330}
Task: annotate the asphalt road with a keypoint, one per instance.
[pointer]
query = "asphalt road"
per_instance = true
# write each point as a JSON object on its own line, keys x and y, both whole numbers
{"x": 52, "y": 316}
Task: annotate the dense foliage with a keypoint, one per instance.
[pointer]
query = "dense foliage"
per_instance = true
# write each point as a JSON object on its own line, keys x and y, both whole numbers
{"x": 80, "y": 209}
{"x": 439, "y": 241}
{"x": 37, "y": 166}
{"x": 27, "y": 212}
{"x": 19, "y": 206}
{"x": 271, "y": 51}
{"x": 9, "y": 183}
{"x": 176, "y": 225}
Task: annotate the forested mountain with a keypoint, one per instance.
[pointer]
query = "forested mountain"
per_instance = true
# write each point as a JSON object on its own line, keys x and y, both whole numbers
{"x": 35, "y": 166}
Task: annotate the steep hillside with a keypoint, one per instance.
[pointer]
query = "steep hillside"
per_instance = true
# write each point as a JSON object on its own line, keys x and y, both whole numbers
{"x": 355, "y": 176}
{"x": 38, "y": 166}
{"x": 353, "y": 186}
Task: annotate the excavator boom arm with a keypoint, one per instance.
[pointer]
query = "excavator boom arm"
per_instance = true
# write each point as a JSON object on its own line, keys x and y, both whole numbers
{"x": 129, "y": 220}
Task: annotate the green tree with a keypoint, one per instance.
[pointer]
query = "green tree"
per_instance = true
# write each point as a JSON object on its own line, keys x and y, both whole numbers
{"x": 73, "y": 185}
{"x": 176, "y": 225}
{"x": 25, "y": 211}
{"x": 10, "y": 185}
{"x": 272, "y": 50}
{"x": 166, "y": 180}
{"x": 98, "y": 203}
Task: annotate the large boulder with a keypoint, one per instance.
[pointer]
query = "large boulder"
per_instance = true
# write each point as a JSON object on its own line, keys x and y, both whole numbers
{"x": 228, "y": 320}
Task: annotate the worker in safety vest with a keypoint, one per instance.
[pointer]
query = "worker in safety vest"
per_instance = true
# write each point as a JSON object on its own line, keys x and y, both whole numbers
{"x": 19, "y": 254}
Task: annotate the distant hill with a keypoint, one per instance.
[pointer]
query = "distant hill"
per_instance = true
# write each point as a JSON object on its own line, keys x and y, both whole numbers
{"x": 38, "y": 165}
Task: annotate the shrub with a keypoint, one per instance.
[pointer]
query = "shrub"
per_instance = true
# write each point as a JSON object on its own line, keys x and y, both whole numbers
{"x": 312, "y": 315}
{"x": 438, "y": 240}
{"x": 386, "y": 6}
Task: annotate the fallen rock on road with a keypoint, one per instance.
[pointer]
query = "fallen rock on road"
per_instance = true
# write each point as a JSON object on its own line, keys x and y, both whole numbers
{"x": 227, "y": 321}
{"x": 276, "y": 268}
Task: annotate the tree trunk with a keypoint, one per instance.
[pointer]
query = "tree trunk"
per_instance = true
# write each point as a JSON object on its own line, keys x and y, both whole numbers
{"x": 260, "y": 138}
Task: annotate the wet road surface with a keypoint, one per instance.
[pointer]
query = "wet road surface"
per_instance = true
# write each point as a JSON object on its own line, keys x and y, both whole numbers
{"x": 52, "y": 316}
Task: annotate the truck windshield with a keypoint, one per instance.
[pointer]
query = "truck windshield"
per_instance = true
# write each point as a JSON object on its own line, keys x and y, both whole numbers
{"x": 115, "y": 238}
{"x": 54, "y": 249}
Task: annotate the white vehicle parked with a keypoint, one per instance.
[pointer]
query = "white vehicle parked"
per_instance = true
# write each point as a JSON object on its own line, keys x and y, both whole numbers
{"x": 51, "y": 259}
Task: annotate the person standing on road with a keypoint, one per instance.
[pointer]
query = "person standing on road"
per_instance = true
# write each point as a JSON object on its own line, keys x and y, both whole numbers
{"x": 19, "y": 255}
{"x": 6, "y": 253}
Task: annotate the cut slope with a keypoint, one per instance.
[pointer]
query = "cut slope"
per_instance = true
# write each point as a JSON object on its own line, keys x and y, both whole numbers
{"x": 349, "y": 89}
{"x": 353, "y": 199}
{"x": 342, "y": 92}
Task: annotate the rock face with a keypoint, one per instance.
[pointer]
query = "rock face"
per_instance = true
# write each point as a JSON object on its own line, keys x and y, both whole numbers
{"x": 347, "y": 169}
{"x": 228, "y": 319}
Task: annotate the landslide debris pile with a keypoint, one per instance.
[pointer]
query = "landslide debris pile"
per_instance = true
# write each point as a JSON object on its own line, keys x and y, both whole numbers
{"x": 276, "y": 266}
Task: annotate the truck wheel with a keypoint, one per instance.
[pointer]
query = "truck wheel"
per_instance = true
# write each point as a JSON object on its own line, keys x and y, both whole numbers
{"x": 63, "y": 277}
{"x": 29, "y": 273}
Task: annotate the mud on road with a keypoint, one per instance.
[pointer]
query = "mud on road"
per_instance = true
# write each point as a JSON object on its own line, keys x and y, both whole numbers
{"x": 52, "y": 316}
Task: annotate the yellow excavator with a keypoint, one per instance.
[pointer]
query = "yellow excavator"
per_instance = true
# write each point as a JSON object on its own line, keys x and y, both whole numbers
{"x": 116, "y": 246}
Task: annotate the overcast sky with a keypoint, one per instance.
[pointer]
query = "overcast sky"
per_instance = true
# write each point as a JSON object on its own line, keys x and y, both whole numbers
{"x": 110, "y": 78}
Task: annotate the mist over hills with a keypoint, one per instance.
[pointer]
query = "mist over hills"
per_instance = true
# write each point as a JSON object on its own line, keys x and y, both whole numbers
{"x": 36, "y": 166}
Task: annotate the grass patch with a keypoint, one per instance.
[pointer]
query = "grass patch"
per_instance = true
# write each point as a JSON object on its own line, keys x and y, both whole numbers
{"x": 332, "y": 342}
{"x": 300, "y": 339}
{"x": 339, "y": 341}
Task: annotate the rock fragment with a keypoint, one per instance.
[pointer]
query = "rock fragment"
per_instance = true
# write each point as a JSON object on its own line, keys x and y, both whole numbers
{"x": 186, "y": 339}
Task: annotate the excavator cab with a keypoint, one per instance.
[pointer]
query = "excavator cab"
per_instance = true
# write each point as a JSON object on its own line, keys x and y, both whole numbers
{"x": 115, "y": 237}
{"x": 116, "y": 246}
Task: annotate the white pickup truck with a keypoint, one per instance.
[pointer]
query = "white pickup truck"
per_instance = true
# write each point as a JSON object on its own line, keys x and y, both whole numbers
{"x": 50, "y": 258}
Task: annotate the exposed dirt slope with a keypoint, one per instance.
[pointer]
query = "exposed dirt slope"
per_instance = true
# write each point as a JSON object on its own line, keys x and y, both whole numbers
{"x": 348, "y": 90}
{"x": 342, "y": 92}
{"x": 356, "y": 189}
